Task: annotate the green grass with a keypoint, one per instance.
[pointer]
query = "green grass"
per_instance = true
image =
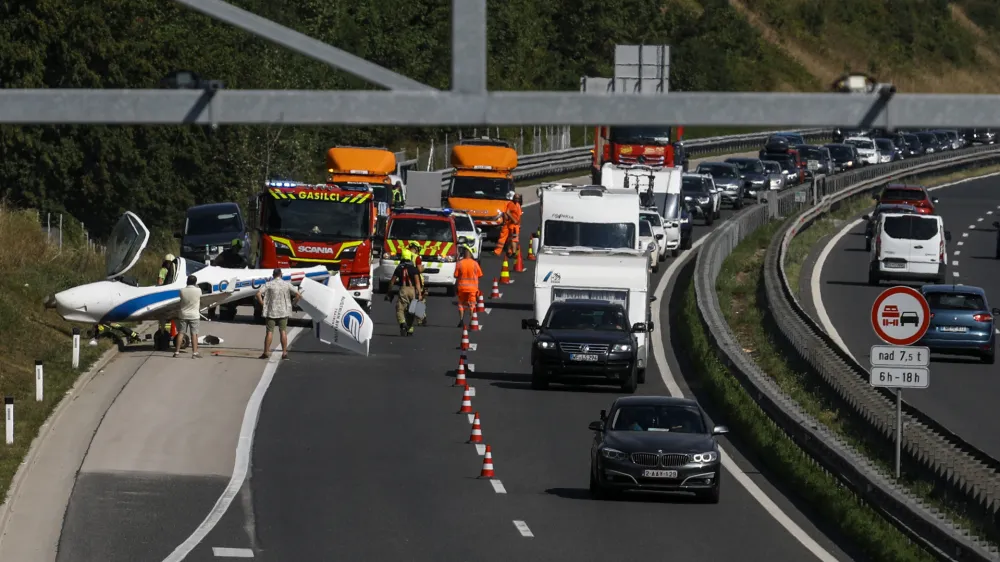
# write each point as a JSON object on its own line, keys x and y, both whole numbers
{"x": 878, "y": 539}
{"x": 34, "y": 268}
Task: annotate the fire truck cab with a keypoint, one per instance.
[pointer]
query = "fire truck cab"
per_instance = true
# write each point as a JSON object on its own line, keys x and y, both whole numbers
{"x": 433, "y": 230}
{"x": 647, "y": 145}
{"x": 484, "y": 175}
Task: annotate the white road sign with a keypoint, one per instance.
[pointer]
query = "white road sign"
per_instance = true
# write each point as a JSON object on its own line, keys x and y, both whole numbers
{"x": 900, "y": 356}
{"x": 900, "y": 316}
{"x": 901, "y": 377}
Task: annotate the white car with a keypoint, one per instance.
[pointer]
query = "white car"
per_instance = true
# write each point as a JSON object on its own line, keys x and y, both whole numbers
{"x": 466, "y": 228}
{"x": 647, "y": 243}
{"x": 656, "y": 223}
{"x": 908, "y": 247}
{"x": 867, "y": 151}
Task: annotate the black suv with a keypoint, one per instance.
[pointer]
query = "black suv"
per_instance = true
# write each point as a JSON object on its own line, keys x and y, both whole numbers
{"x": 585, "y": 339}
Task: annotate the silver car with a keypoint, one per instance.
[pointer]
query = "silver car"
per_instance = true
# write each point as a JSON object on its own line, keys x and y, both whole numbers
{"x": 775, "y": 175}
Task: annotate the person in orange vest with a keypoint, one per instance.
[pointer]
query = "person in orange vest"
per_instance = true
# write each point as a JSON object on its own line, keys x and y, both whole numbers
{"x": 511, "y": 226}
{"x": 467, "y": 275}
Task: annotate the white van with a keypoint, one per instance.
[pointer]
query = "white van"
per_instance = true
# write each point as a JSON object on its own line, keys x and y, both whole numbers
{"x": 591, "y": 216}
{"x": 908, "y": 247}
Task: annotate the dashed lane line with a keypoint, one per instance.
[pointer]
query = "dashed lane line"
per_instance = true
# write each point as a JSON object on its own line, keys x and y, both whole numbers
{"x": 989, "y": 212}
{"x": 958, "y": 252}
{"x": 471, "y": 367}
{"x": 965, "y": 234}
{"x": 954, "y": 273}
{"x": 498, "y": 488}
{"x": 522, "y": 528}
{"x": 472, "y": 392}
{"x": 472, "y": 417}
{"x": 223, "y": 552}
{"x": 980, "y": 219}
{"x": 489, "y": 310}
{"x": 972, "y": 226}
{"x": 954, "y": 262}
{"x": 961, "y": 243}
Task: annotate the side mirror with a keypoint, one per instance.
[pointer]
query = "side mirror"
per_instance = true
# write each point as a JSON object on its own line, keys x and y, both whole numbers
{"x": 866, "y": 218}
{"x": 650, "y": 326}
{"x": 934, "y": 200}
{"x": 659, "y": 237}
{"x": 720, "y": 430}
{"x": 604, "y": 415}
{"x": 652, "y": 298}
{"x": 638, "y": 327}
{"x": 178, "y": 236}
{"x": 947, "y": 235}
{"x": 596, "y": 426}
{"x": 529, "y": 324}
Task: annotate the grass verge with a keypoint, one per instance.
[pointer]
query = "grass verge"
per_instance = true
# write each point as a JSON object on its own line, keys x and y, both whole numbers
{"x": 34, "y": 267}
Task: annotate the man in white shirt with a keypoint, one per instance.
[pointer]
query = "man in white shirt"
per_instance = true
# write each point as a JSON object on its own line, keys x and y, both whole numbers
{"x": 189, "y": 317}
{"x": 277, "y": 297}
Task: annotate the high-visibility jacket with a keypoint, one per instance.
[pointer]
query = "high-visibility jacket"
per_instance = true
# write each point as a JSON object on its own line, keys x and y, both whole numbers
{"x": 513, "y": 213}
{"x": 467, "y": 274}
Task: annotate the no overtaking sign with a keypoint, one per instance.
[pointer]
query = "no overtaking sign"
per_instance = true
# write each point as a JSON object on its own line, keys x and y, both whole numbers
{"x": 900, "y": 316}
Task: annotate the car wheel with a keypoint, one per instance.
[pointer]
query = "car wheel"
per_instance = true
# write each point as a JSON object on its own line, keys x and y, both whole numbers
{"x": 873, "y": 276}
{"x": 452, "y": 291}
{"x": 709, "y": 219}
{"x": 631, "y": 383}
{"x": 687, "y": 243}
{"x": 538, "y": 381}
{"x": 656, "y": 268}
{"x": 675, "y": 253}
{"x": 990, "y": 358}
{"x": 868, "y": 245}
{"x": 711, "y": 495}
{"x": 942, "y": 276}
{"x": 597, "y": 491}
{"x": 718, "y": 212}
{"x": 641, "y": 376}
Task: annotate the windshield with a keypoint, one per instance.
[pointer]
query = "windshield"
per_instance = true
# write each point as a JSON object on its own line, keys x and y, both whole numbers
{"x": 317, "y": 219}
{"x": 911, "y": 227}
{"x": 911, "y": 139}
{"x": 693, "y": 185}
{"x": 463, "y": 223}
{"x": 748, "y": 166}
{"x": 955, "y": 301}
{"x": 604, "y": 319}
{"x": 903, "y": 195}
{"x": 810, "y": 153}
{"x": 201, "y": 222}
{"x": 652, "y": 218}
{"x": 654, "y": 134}
{"x": 772, "y": 167}
{"x": 590, "y": 234}
{"x": 786, "y": 164}
{"x": 793, "y": 138}
{"x": 676, "y": 419}
{"x": 885, "y": 144}
{"x": 860, "y": 143}
{"x": 644, "y": 229}
{"x": 475, "y": 187}
{"x": 927, "y": 138}
{"x": 840, "y": 152}
{"x": 421, "y": 229}
{"x": 716, "y": 171}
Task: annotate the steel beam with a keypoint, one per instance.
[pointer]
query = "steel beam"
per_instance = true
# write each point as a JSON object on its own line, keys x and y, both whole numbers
{"x": 308, "y": 107}
{"x": 468, "y": 46}
{"x": 304, "y": 44}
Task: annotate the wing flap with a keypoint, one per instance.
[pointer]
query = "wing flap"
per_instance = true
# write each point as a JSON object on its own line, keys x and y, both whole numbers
{"x": 338, "y": 318}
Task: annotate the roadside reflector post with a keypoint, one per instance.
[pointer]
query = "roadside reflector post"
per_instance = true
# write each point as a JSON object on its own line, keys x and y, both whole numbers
{"x": 8, "y": 406}
{"x": 76, "y": 348}
{"x": 39, "y": 382}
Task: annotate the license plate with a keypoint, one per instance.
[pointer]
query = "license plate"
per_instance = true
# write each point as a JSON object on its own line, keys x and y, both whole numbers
{"x": 894, "y": 265}
{"x": 582, "y": 357}
{"x": 953, "y": 329}
{"x": 814, "y": 164}
{"x": 659, "y": 473}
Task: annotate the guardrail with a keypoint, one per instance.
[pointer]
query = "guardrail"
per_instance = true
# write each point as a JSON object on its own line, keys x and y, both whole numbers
{"x": 955, "y": 464}
{"x": 560, "y": 162}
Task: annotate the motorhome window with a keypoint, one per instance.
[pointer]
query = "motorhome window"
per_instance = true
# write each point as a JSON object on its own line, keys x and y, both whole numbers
{"x": 476, "y": 187}
{"x": 640, "y": 135}
{"x": 421, "y": 229}
{"x": 653, "y": 218}
{"x": 604, "y": 319}
{"x": 911, "y": 227}
{"x": 317, "y": 219}
{"x": 200, "y": 222}
{"x": 589, "y": 234}
{"x": 562, "y": 294}
{"x": 644, "y": 228}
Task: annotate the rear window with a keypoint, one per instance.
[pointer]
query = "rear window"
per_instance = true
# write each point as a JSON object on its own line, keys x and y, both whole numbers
{"x": 911, "y": 227}
{"x": 644, "y": 229}
{"x": 653, "y": 218}
{"x": 903, "y": 195}
{"x": 433, "y": 230}
{"x": 955, "y": 301}
{"x": 810, "y": 153}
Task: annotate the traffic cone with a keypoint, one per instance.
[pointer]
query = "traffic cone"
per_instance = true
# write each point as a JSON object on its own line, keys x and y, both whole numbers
{"x": 519, "y": 264}
{"x": 477, "y": 431}
{"x": 505, "y": 273}
{"x": 173, "y": 329}
{"x": 495, "y": 293}
{"x": 460, "y": 374}
{"x": 474, "y": 327}
{"x": 466, "y": 401}
{"x": 480, "y": 303}
{"x": 465, "y": 339}
{"x": 487, "y": 464}
{"x": 531, "y": 248}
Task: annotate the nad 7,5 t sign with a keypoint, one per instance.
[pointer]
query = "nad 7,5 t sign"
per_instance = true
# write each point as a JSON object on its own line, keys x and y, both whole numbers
{"x": 900, "y": 316}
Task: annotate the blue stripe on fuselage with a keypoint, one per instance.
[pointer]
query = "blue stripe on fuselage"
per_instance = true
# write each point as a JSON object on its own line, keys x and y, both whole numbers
{"x": 130, "y": 307}
{"x": 249, "y": 282}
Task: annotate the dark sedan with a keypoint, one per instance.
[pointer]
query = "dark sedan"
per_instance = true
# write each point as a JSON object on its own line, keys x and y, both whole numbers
{"x": 585, "y": 339}
{"x": 961, "y": 321}
{"x": 753, "y": 173}
{"x": 727, "y": 178}
{"x": 845, "y": 157}
{"x": 657, "y": 444}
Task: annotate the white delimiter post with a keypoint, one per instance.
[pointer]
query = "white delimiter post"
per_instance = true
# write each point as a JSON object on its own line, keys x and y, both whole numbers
{"x": 39, "y": 381}
{"x": 76, "y": 348}
{"x": 8, "y": 403}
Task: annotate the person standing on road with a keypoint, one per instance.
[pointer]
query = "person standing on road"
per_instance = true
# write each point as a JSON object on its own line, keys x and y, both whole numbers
{"x": 189, "y": 317}
{"x": 418, "y": 262}
{"x": 467, "y": 275}
{"x": 410, "y": 288}
{"x": 276, "y": 298}
{"x": 511, "y": 223}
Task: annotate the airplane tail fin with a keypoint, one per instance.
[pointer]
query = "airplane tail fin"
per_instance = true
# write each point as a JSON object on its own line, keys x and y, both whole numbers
{"x": 338, "y": 318}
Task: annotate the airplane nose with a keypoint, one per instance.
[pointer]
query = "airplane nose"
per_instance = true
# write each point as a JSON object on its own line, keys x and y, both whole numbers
{"x": 81, "y": 304}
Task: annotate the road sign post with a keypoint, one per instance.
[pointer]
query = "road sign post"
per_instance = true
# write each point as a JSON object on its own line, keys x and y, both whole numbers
{"x": 900, "y": 317}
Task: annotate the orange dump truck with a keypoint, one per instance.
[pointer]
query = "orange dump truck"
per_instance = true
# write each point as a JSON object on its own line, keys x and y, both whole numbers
{"x": 484, "y": 175}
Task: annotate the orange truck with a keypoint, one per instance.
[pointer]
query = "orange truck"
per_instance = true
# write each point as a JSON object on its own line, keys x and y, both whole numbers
{"x": 484, "y": 175}
{"x": 649, "y": 145}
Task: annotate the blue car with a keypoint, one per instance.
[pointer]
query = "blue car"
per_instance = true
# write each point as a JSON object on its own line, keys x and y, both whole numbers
{"x": 961, "y": 321}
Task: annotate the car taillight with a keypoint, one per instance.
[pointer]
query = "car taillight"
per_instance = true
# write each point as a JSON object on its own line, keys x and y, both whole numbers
{"x": 941, "y": 252}
{"x": 982, "y": 317}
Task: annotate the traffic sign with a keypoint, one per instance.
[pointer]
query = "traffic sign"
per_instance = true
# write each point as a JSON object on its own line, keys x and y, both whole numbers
{"x": 901, "y": 377}
{"x": 900, "y": 356}
{"x": 900, "y": 316}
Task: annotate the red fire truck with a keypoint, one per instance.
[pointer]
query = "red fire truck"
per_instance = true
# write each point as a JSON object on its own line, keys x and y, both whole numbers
{"x": 650, "y": 145}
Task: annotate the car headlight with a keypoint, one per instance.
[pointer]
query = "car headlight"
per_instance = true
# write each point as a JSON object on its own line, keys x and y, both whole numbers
{"x": 710, "y": 456}
{"x": 448, "y": 259}
{"x": 358, "y": 283}
{"x": 614, "y": 454}
{"x": 282, "y": 249}
{"x": 546, "y": 344}
{"x": 703, "y": 200}
{"x": 687, "y": 197}
{"x": 621, "y": 348}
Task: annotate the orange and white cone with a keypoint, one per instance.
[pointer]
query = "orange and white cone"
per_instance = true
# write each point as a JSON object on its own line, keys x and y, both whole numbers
{"x": 477, "y": 430}
{"x": 487, "y": 464}
{"x": 519, "y": 264}
{"x": 495, "y": 293}
{"x": 465, "y": 339}
{"x": 505, "y": 273}
{"x": 475, "y": 322}
{"x": 466, "y": 401}
{"x": 460, "y": 374}
{"x": 480, "y": 303}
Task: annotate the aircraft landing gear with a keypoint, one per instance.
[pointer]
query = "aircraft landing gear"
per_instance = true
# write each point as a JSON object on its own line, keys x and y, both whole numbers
{"x": 161, "y": 340}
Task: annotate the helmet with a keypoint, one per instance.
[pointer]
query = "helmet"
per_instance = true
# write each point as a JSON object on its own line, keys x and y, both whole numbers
{"x": 510, "y": 195}
{"x": 468, "y": 248}
{"x": 413, "y": 246}
{"x": 169, "y": 257}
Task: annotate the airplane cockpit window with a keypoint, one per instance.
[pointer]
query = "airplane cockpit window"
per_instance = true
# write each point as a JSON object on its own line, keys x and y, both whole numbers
{"x": 125, "y": 245}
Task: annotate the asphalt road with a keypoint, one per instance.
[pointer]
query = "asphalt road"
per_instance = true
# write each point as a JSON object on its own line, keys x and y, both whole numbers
{"x": 963, "y": 391}
{"x": 366, "y": 459}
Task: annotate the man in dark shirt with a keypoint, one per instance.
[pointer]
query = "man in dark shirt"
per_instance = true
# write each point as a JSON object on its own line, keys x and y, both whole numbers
{"x": 410, "y": 289}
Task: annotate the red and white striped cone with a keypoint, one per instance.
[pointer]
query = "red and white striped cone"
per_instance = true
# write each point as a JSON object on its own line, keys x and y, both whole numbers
{"x": 466, "y": 401}
{"x": 487, "y": 464}
{"x": 480, "y": 304}
{"x": 477, "y": 430}
{"x": 460, "y": 374}
{"x": 495, "y": 293}
{"x": 474, "y": 327}
{"x": 465, "y": 339}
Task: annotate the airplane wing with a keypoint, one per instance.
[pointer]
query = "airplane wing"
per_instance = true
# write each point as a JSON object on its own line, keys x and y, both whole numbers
{"x": 172, "y": 310}
{"x": 338, "y": 318}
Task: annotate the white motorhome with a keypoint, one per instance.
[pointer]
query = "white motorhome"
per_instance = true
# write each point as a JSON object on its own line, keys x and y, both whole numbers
{"x": 658, "y": 188}
{"x": 589, "y": 216}
{"x": 620, "y": 276}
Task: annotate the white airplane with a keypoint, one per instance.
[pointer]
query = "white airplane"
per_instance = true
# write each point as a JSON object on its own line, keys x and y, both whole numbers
{"x": 119, "y": 299}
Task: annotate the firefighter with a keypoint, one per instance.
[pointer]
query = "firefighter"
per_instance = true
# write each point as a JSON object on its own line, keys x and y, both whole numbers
{"x": 410, "y": 288}
{"x": 511, "y": 223}
{"x": 419, "y": 263}
{"x": 397, "y": 194}
{"x": 467, "y": 275}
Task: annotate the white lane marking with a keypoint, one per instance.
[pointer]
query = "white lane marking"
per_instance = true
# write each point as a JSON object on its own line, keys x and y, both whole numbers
{"x": 221, "y": 552}
{"x": 958, "y": 252}
{"x": 989, "y": 212}
{"x": 489, "y": 310}
{"x": 472, "y": 367}
{"x": 659, "y": 353}
{"x": 972, "y": 226}
{"x": 965, "y": 235}
{"x": 997, "y": 330}
{"x": 817, "y": 293}
{"x": 965, "y": 180}
{"x": 954, "y": 262}
{"x": 522, "y": 528}
{"x": 955, "y": 273}
{"x": 961, "y": 243}
{"x": 481, "y": 451}
{"x": 498, "y": 488}
{"x": 472, "y": 391}
{"x": 980, "y": 219}
{"x": 473, "y": 346}
{"x": 243, "y": 449}
{"x": 472, "y": 417}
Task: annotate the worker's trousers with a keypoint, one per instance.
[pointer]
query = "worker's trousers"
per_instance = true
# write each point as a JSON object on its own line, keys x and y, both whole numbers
{"x": 513, "y": 233}
{"x": 403, "y": 315}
